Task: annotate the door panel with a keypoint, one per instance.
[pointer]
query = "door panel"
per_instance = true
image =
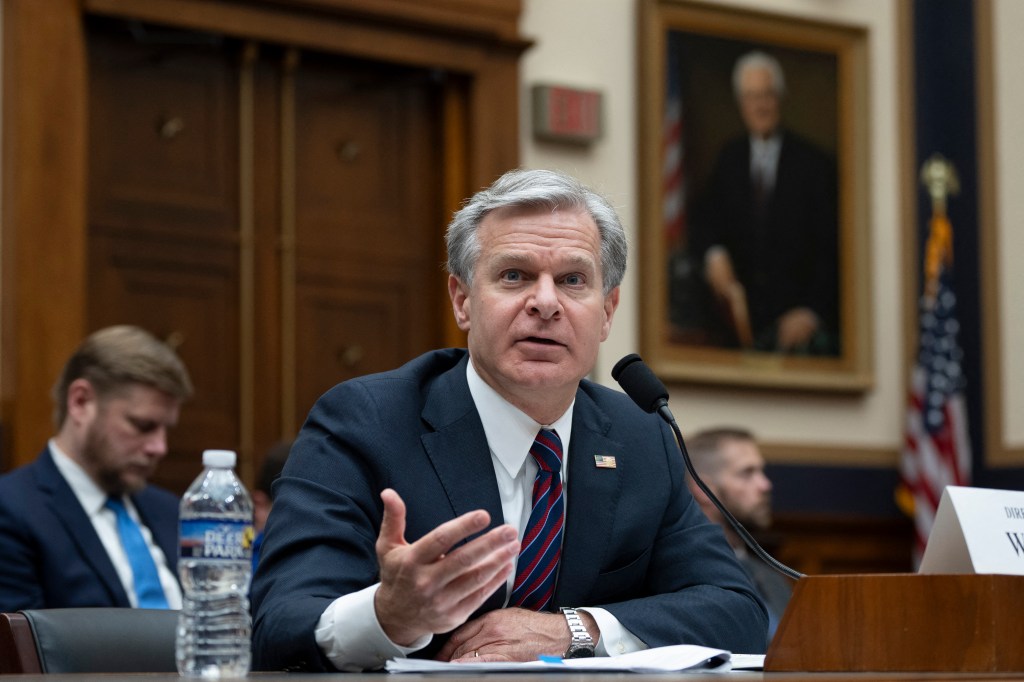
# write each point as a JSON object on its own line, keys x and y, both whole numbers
{"x": 188, "y": 296}
{"x": 348, "y": 326}
{"x": 208, "y": 219}
{"x": 368, "y": 226}
{"x": 163, "y": 215}
{"x": 163, "y": 133}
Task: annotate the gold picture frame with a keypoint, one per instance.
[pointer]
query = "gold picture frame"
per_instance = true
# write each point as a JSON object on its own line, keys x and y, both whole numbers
{"x": 687, "y": 53}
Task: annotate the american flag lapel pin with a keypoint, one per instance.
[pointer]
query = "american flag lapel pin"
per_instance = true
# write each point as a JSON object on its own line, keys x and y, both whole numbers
{"x": 604, "y": 461}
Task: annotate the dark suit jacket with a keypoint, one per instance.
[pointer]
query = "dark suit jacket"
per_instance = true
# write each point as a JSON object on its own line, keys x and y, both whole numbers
{"x": 50, "y": 555}
{"x": 785, "y": 253}
{"x": 772, "y": 587}
{"x": 635, "y": 542}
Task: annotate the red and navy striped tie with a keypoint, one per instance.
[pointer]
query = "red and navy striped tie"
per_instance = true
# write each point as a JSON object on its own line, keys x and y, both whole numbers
{"x": 542, "y": 543}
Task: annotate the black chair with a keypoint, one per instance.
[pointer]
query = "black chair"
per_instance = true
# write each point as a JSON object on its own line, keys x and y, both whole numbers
{"x": 91, "y": 640}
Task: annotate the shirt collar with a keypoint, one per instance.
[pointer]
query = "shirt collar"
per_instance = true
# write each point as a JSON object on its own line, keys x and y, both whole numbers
{"x": 89, "y": 495}
{"x": 768, "y": 147}
{"x": 510, "y": 431}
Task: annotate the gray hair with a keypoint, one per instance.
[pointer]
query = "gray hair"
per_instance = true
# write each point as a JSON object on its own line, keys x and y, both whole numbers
{"x": 536, "y": 189}
{"x": 758, "y": 60}
{"x": 115, "y": 357}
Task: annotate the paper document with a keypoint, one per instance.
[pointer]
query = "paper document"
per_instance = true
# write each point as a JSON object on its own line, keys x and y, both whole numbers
{"x": 658, "y": 660}
{"x": 746, "y": 662}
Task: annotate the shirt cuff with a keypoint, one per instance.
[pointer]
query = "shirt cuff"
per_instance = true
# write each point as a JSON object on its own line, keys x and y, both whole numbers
{"x": 714, "y": 251}
{"x": 351, "y": 637}
{"x": 615, "y": 639}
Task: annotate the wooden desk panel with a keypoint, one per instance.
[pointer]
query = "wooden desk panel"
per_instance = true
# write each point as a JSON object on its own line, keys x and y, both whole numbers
{"x": 904, "y": 622}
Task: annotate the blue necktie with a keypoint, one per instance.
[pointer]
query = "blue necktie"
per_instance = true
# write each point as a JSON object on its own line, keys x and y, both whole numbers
{"x": 534, "y": 585}
{"x": 147, "y": 582}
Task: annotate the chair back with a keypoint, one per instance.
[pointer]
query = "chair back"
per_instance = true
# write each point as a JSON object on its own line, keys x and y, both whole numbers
{"x": 17, "y": 645}
{"x": 90, "y": 640}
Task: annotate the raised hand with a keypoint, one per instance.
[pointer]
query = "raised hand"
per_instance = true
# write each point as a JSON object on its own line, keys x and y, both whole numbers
{"x": 428, "y": 588}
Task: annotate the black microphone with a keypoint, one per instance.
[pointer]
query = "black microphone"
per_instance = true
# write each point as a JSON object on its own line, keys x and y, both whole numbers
{"x": 640, "y": 384}
{"x": 647, "y": 391}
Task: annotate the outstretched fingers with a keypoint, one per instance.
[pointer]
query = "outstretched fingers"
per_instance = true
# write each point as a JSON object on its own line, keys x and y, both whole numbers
{"x": 436, "y": 544}
{"x": 475, "y": 570}
{"x": 428, "y": 587}
{"x": 392, "y": 525}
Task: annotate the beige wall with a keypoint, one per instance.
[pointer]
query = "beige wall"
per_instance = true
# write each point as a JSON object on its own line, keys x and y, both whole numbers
{"x": 592, "y": 43}
{"x": 1008, "y": 19}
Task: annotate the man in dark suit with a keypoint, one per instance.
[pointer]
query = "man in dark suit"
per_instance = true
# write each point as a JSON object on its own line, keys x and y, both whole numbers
{"x": 730, "y": 463}
{"x": 765, "y": 232}
{"x": 76, "y": 524}
{"x": 493, "y": 504}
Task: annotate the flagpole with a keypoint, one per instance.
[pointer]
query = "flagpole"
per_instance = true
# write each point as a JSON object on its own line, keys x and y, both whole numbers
{"x": 936, "y": 450}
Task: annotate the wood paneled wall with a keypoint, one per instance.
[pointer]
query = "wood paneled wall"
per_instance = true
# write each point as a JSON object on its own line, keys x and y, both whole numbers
{"x": 818, "y": 544}
{"x": 44, "y": 292}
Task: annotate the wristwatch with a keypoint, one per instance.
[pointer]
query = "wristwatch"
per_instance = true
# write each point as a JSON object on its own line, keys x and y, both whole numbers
{"x": 582, "y": 644}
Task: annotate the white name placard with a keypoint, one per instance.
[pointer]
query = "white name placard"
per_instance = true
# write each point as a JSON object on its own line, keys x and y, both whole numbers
{"x": 977, "y": 530}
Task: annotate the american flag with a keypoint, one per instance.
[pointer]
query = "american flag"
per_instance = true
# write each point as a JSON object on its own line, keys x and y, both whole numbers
{"x": 673, "y": 178}
{"x": 937, "y": 451}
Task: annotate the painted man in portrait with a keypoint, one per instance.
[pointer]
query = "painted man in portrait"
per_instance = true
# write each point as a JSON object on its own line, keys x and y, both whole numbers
{"x": 763, "y": 242}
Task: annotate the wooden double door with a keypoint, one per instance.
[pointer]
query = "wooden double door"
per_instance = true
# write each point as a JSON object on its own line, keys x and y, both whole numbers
{"x": 274, "y": 213}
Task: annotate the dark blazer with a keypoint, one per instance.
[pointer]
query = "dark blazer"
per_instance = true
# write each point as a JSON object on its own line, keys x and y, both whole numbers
{"x": 50, "y": 555}
{"x": 635, "y": 542}
{"x": 785, "y": 251}
{"x": 771, "y": 586}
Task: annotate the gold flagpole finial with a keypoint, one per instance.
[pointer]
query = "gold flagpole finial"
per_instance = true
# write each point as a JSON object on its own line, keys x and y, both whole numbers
{"x": 939, "y": 176}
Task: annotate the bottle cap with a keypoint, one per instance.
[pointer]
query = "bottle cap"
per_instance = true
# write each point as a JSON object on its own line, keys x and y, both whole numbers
{"x": 221, "y": 459}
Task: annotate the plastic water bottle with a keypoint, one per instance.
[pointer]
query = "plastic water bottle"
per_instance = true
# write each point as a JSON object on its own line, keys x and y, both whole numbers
{"x": 215, "y": 565}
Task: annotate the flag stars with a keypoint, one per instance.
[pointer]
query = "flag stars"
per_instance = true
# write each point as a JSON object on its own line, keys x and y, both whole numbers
{"x": 940, "y": 354}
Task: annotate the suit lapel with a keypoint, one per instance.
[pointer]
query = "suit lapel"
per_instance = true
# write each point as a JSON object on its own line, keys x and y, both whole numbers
{"x": 458, "y": 451}
{"x": 457, "y": 447}
{"x": 154, "y": 519}
{"x": 593, "y": 495}
{"x": 462, "y": 462}
{"x": 64, "y": 505}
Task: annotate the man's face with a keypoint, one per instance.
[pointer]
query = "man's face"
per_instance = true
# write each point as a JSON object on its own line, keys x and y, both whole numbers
{"x": 759, "y": 101}
{"x": 125, "y": 436}
{"x": 742, "y": 485}
{"x": 535, "y": 314}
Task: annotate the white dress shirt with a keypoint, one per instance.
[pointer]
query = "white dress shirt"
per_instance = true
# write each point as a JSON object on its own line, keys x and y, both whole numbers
{"x": 348, "y": 631}
{"x": 93, "y": 499}
{"x": 764, "y": 160}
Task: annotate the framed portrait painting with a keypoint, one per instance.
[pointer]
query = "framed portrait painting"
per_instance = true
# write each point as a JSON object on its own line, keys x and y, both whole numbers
{"x": 754, "y": 198}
